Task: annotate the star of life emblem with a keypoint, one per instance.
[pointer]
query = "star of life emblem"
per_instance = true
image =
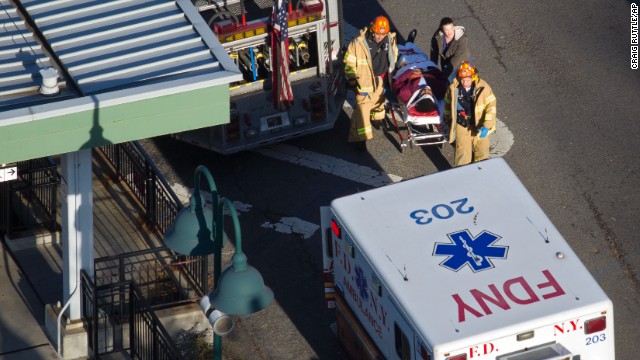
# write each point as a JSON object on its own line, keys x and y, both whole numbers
{"x": 361, "y": 283}
{"x": 476, "y": 252}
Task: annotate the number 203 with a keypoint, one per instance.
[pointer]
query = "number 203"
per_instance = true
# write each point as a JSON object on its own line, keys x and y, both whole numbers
{"x": 595, "y": 339}
{"x": 441, "y": 211}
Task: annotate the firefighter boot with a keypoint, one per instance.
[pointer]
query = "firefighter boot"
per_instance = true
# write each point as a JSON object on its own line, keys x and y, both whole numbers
{"x": 360, "y": 146}
{"x": 412, "y": 36}
{"x": 377, "y": 117}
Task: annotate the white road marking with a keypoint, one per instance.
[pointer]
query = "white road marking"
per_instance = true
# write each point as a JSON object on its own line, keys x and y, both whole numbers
{"x": 184, "y": 193}
{"x": 329, "y": 164}
{"x": 291, "y": 225}
{"x": 502, "y": 140}
{"x": 287, "y": 225}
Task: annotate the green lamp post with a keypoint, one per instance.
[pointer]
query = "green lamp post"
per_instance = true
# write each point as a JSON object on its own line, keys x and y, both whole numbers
{"x": 198, "y": 231}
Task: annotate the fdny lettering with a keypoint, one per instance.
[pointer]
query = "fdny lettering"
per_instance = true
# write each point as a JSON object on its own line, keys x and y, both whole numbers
{"x": 374, "y": 304}
{"x": 343, "y": 259}
{"x": 566, "y": 327}
{"x": 370, "y": 307}
{"x": 504, "y": 301}
{"x": 373, "y": 311}
{"x": 482, "y": 350}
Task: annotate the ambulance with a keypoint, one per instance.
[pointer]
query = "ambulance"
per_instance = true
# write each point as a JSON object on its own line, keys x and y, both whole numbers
{"x": 461, "y": 264}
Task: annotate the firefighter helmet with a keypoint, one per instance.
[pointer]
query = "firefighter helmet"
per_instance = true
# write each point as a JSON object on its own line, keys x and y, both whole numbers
{"x": 466, "y": 70}
{"x": 380, "y": 25}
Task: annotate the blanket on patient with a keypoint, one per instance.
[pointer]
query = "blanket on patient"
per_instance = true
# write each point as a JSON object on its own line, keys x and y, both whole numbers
{"x": 404, "y": 84}
{"x": 411, "y": 57}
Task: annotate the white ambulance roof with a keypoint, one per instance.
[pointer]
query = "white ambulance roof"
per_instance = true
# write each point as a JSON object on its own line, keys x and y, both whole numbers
{"x": 437, "y": 257}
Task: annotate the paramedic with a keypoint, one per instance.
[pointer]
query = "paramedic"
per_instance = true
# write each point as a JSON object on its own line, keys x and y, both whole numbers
{"x": 369, "y": 58}
{"x": 449, "y": 47}
{"x": 470, "y": 112}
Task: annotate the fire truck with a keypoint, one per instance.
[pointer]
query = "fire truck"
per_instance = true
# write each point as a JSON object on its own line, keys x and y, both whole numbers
{"x": 243, "y": 27}
{"x": 461, "y": 264}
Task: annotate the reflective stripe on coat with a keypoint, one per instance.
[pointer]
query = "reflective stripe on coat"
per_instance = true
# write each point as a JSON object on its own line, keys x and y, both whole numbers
{"x": 357, "y": 61}
{"x": 484, "y": 111}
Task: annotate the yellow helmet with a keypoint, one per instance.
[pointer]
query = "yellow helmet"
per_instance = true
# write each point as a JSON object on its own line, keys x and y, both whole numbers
{"x": 466, "y": 70}
{"x": 380, "y": 25}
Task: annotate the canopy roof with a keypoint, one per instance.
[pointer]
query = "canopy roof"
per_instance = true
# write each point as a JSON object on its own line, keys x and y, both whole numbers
{"x": 127, "y": 70}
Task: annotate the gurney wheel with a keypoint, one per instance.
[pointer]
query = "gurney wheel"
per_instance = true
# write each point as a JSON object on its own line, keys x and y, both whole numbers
{"x": 403, "y": 146}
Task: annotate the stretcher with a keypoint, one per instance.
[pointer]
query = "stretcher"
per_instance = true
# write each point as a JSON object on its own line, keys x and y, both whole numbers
{"x": 414, "y": 128}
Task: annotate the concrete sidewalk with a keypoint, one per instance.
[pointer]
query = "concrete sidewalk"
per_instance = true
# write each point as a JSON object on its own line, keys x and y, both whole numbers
{"x": 31, "y": 273}
{"x": 22, "y": 333}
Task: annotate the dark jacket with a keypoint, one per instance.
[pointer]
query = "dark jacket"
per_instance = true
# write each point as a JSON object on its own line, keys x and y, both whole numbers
{"x": 457, "y": 52}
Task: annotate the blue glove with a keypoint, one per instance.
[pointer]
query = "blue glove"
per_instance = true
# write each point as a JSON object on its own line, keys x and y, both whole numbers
{"x": 483, "y": 132}
{"x": 363, "y": 93}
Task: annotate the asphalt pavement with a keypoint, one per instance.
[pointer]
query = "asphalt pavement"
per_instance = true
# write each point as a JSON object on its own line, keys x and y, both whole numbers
{"x": 566, "y": 92}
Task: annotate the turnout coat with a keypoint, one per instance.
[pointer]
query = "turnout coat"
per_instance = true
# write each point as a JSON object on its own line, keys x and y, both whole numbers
{"x": 484, "y": 110}
{"x": 357, "y": 61}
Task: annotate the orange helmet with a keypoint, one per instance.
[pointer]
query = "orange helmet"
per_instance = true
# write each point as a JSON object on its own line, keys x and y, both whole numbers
{"x": 380, "y": 25}
{"x": 466, "y": 70}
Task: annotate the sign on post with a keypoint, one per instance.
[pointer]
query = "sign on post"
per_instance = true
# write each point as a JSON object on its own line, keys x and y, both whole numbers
{"x": 9, "y": 173}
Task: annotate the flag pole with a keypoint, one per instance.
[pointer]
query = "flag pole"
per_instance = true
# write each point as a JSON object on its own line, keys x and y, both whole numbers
{"x": 244, "y": 17}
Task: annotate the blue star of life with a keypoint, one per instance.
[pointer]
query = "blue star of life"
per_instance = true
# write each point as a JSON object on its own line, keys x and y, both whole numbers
{"x": 476, "y": 252}
{"x": 361, "y": 283}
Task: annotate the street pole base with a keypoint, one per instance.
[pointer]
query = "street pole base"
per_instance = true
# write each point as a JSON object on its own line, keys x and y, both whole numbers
{"x": 73, "y": 335}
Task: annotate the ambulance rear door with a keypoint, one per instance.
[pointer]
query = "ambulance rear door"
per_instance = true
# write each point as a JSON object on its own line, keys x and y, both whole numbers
{"x": 327, "y": 257}
{"x": 405, "y": 342}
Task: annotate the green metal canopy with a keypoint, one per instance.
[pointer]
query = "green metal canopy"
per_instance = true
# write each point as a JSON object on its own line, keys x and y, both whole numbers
{"x": 127, "y": 70}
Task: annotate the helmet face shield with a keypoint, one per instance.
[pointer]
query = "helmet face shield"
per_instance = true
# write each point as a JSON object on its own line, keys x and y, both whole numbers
{"x": 465, "y": 73}
{"x": 380, "y": 25}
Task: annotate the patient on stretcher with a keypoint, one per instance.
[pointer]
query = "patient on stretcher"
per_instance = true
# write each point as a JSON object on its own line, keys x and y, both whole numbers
{"x": 418, "y": 83}
{"x": 420, "y": 87}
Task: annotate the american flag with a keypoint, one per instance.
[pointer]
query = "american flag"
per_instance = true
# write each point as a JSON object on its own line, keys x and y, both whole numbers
{"x": 282, "y": 94}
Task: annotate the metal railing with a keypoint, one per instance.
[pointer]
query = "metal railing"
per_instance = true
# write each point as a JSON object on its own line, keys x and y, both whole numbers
{"x": 148, "y": 338}
{"x": 31, "y": 201}
{"x": 160, "y": 277}
{"x": 89, "y": 311}
{"x": 134, "y": 167}
{"x": 163, "y": 277}
{"x": 119, "y": 318}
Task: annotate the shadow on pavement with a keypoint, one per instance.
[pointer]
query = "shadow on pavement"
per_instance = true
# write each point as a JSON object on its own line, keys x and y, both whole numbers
{"x": 22, "y": 317}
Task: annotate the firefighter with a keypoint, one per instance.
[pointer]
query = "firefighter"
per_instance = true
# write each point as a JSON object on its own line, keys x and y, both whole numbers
{"x": 369, "y": 58}
{"x": 470, "y": 112}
